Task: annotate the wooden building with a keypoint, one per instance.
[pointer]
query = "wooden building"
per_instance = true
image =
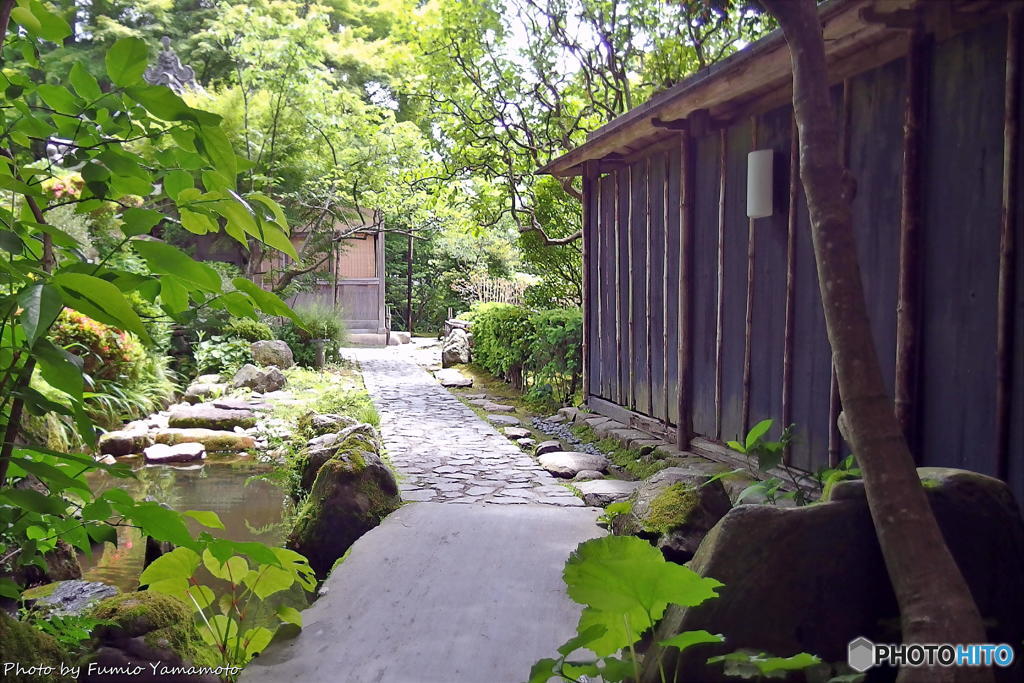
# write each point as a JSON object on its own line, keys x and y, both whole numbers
{"x": 701, "y": 321}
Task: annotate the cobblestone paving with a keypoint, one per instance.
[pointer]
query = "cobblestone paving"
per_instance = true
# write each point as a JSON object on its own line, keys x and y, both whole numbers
{"x": 442, "y": 451}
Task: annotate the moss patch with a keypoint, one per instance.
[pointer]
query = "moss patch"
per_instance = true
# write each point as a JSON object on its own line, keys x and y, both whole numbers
{"x": 671, "y": 508}
{"x": 21, "y": 642}
{"x": 638, "y": 464}
{"x": 163, "y": 621}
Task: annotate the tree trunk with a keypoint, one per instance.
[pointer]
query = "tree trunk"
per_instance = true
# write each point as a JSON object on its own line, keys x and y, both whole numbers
{"x": 935, "y": 602}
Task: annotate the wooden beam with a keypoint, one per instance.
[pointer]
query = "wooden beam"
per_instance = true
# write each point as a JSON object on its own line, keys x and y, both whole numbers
{"x": 720, "y": 318}
{"x": 1006, "y": 298}
{"x": 748, "y": 321}
{"x": 589, "y": 181}
{"x": 790, "y": 332}
{"x": 684, "y": 385}
{"x": 908, "y": 296}
{"x": 675, "y": 124}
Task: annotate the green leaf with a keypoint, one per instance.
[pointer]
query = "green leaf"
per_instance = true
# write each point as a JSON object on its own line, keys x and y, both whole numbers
{"x": 234, "y": 569}
{"x": 160, "y": 523}
{"x": 220, "y": 630}
{"x": 273, "y": 235}
{"x": 206, "y": 518}
{"x": 164, "y": 258}
{"x": 275, "y": 209}
{"x": 40, "y": 304}
{"x": 690, "y": 638}
{"x": 177, "y": 181}
{"x": 200, "y": 597}
{"x": 289, "y": 615}
{"x": 53, "y": 27}
{"x": 101, "y": 300}
{"x": 84, "y": 83}
{"x": 268, "y": 302}
{"x": 197, "y": 223}
{"x": 28, "y": 21}
{"x": 139, "y": 221}
{"x": 59, "y": 99}
{"x": 33, "y": 501}
{"x": 180, "y": 563}
{"x": 102, "y": 533}
{"x": 756, "y": 432}
{"x": 173, "y": 294}
{"x": 543, "y": 671}
{"x": 582, "y": 639}
{"x": 256, "y": 640}
{"x": 98, "y": 510}
{"x": 9, "y": 589}
{"x": 126, "y": 61}
{"x": 51, "y": 475}
{"x": 61, "y": 370}
{"x": 267, "y": 580}
{"x": 216, "y": 147}
{"x": 794, "y": 663}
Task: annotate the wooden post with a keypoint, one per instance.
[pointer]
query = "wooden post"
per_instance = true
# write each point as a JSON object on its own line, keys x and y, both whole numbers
{"x": 748, "y": 323}
{"x": 669, "y": 394}
{"x": 908, "y": 333}
{"x": 408, "y": 283}
{"x": 622, "y": 373}
{"x": 719, "y": 333}
{"x": 589, "y": 175}
{"x": 1006, "y": 298}
{"x": 790, "y": 333}
{"x": 684, "y": 386}
{"x": 647, "y": 293}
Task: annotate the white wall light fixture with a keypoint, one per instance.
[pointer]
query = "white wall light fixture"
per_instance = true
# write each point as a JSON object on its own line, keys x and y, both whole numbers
{"x": 760, "y": 183}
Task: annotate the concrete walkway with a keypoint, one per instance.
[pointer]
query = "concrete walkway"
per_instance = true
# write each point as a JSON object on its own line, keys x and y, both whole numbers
{"x": 466, "y": 588}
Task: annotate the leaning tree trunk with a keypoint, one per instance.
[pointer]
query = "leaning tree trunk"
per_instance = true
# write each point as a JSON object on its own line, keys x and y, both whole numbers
{"x": 934, "y": 600}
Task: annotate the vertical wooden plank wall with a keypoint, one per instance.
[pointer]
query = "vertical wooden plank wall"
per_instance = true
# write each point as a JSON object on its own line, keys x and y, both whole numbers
{"x": 607, "y": 290}
{"x": 657, "y": 168}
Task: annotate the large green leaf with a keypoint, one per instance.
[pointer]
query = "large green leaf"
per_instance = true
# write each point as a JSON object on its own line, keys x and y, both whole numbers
{"x": 690, "y": 638}
{"x": 177, "y": 181}
{"x": 268, "y": 302}
{"x": 206, "y": 518}
{"x": 139, "y": 221}
{"x": 51, "y": 475}
{"x": 84, "y": 83}
{"x": 59, "y": 99}
{"x": 40, "y": 305}
{"x": 160, "y": 523}
{"x": 173, "y": 294}
{"x": 61, "y": 369}
{"x": 33, "y": 501}
{"x": 218, "y": 150}
{"x": 126, "y": 61}
{"x": 52, "y": 26}
{"x": 101, "y": 300}
{"x": 164, "y": 258}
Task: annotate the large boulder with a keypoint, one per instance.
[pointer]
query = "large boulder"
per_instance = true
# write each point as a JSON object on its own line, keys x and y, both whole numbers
{"x": 72, "y": 597}
{"x": 125, "y": 442}
{"x": 197, "y": 392}
{"x": 317, "y": 424}
{"x": 206, "y": 416}
{"x": 25, "y": 644}
{"x": 674, "y": 509}
{"x": 817, "y": 577}
{"x": 143, "y": 628}
{"x": 455, "y": 350}
{"x": 263, "y": 380}
{"x": 162, "y": 454}
{"x": 274, "y": 352}
{"x": 359, "y": 440}
{"x": 353, "y": 491}
{"x": 571, "y": 463}
{"x": 214, "y": 439}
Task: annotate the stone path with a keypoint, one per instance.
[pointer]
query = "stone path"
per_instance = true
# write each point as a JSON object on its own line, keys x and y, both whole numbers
{"x": 442, "y": 451}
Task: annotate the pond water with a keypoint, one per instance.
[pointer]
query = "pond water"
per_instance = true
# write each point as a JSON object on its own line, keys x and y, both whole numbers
{"x": 250, "y": 507}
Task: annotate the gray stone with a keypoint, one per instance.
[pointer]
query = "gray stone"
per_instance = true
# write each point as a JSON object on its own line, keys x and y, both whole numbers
{"x": 569, "y": 463}
{"x": 516, "y": 433}
{"x": 316, "y": 424}
{"x": 198, "y": 392}
{"x": 674, "y": 509}
{"x": 450, "y": 377}
{"x": 213, "y": 439}
{"x": 402, "y": 337}
{"x": 262, "y": 380}
{"x": 207, "y": 379}
{"x": 526, "y": 443}
{"x": 604, "y": 492}
{"x": 349, "y": 496}
{"x": 64, "y": 598}
{"x": 587, "y": 475}
{"x": 549, "y": 446}
{"x": 125, "y": 442}
{"x": 569, "y": 413}
{"x": 239, "y": 404}
{"x": 161, "y": 454}
{"x": 492, "y": 407}
{"x": 455, "y": 350}
{"x": 207, "y": 416}
{"x": 272, "y": 352}
{"x": 605, "y": 429}
{"x": 803, "y": 553}
{"x": 504, "y": 419}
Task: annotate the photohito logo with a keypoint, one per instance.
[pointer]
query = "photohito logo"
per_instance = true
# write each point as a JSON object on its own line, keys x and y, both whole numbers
{"x": 862, "y": 654}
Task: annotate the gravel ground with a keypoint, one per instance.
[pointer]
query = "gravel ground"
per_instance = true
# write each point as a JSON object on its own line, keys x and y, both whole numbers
{"x": 561, "y": 431}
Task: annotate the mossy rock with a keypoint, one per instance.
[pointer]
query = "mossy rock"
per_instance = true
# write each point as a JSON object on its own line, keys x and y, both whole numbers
{"x": 674, "y": 509}
{"x": 27, "y": 645}
{"x": 356, "y": 448}
{"x": 139, "y": 613}
{"x": 215, "y": 440}
{"x": 208, "y": 416}
{"x": 352, "y": 492}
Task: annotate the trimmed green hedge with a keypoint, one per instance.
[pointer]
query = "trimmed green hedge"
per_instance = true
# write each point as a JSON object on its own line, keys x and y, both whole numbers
{"x": 538, "y": 351}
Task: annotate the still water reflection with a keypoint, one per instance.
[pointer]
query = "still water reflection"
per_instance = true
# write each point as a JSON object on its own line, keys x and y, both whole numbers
{"x": 250, "y": 508}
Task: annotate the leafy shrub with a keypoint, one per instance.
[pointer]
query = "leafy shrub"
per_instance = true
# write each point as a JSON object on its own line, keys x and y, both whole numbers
{"x": 540, "y": 351}
{"x": 248, "y": 329}
{"x": 318, "y": 321}
{"x": 106, "y": 352}
{"x": 220, "y": 354}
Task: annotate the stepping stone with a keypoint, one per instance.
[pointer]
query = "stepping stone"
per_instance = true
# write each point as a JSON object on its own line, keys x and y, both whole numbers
{"x": 161, "y": 454}
{"x": 526, "y": 443}
{"x": 604, "y": 492}
{"x": 516, "y": 432}
{"x": 587, "y": 475}
{"x": 419, "y": 495}
{"x": 450, "y": 377}
{"x": 504, "y": 419}
{"x": 479, "y": 490}
{"x": 239, "y": 404}
{"x": 569, "y": 463}
{"x": 213, "y": 439}
{"x": 207, "y": 416}
{"x": 492, "y": 407}
{"x": 547, "y": 447}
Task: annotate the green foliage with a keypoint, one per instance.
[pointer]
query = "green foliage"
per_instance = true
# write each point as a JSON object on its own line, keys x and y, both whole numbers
{"x": 225, "y": 622}
{"x": 106, "y": 352}
{"x": 247, "y": 329}
{"x": 760, "y": 665}
{"x": 539, "y": 351}
{"x": 221, "y": 355}
{"x": 623, "y": 507}
{"x": 768, "y": 455}
{"x": 72, "y": 631}
{"x": 314, "y": 321}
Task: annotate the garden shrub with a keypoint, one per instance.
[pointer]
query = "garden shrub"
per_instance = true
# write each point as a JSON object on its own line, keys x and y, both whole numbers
{"x": 107, "y": 353}
{"x": 318, "y": 321}
{"x": 538, "y": 351}
{"x": 248, "y": 329}
{"x": 221, "y": 355}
